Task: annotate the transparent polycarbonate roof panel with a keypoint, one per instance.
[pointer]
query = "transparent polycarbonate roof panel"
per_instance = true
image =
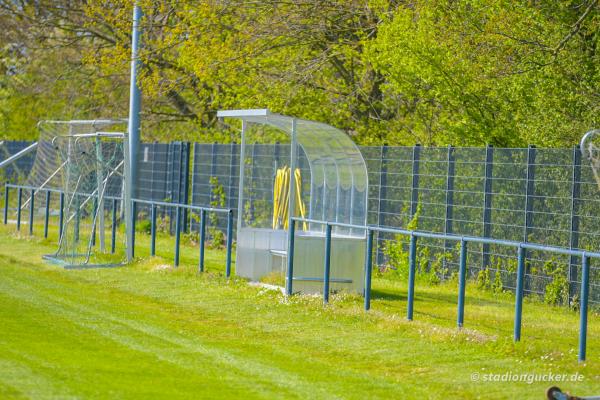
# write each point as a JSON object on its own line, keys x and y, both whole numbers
{"x": 339, "y": 181}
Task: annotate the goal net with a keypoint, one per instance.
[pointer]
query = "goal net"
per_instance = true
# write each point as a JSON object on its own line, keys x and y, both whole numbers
{"x": 85, "y": 160}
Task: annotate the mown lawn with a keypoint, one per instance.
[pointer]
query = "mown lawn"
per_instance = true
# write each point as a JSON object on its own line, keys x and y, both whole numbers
{"x": 151, "y": 331}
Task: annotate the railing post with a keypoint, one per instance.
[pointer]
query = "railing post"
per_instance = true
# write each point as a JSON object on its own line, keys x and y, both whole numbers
{"x": 47, "y": 213}
{"x": 368, "y": 269}
{"x": 177, "y": 233}
{"x": 583, "y": 310}
{"x": 327, "y": 269}
{"x": 412, "y": 266}
{"x": 449, "y": 196}
{"x": 519, "y": 293}
{"x": 529, "y": 193}
{"x": 290, "y": 258}
{"x": 202, "y": 239}
{"x": 19, "y": 201}
{"x": 61, "y": 213}
{"x": 6, "y": 190}
{"x": 31, "y": 210}
{"x": 487, "y": 205}
{"x": 153, "y": 230}
{"x": 113, "y": 227}
{"x": 414, "y": 197}
{"x": 574, "y": 231}
{"x": 229, "y": 243}
{"x": 462, "y": 282}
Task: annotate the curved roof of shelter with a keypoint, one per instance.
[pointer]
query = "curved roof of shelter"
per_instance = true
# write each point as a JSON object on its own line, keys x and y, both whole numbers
{"x": 329, "y": 150}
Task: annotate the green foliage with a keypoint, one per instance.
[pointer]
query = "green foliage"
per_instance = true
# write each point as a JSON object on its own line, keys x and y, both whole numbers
{"x": 557, "y": 291}
{"x": 217, "y": 200}
{"x": 434, "y": 72}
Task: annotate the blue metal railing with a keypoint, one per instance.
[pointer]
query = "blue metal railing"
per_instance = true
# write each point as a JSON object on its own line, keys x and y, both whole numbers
{"x": 179, "y": 227}
{"x": 115, "y": 202}
{"x": 464, "y": 240}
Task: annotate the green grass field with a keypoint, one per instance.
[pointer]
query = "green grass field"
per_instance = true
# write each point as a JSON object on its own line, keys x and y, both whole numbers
{"x": 150, "y": 331}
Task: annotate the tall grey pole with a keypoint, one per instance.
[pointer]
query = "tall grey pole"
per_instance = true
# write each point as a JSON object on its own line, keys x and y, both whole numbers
{"x": 134, "y": 97}
{"x": 133, "y": 128}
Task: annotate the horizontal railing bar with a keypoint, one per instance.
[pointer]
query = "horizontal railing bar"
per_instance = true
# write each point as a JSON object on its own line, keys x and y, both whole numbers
{"x": 188, "y": 206}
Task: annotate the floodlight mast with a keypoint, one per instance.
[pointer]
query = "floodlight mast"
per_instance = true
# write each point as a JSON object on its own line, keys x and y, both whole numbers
{"x": 133, "y": 140}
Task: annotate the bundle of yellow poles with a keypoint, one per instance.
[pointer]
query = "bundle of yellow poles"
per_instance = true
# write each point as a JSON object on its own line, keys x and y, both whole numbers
{"x": 281, "y": 194}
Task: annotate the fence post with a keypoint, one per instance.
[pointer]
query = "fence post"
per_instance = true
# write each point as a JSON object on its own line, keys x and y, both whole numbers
{"x": 202, "y": 239}
{"x": 61, "y": 213}
{"x": 47, "y": 213}
{"x": 31, "y": 210}
{"x": 462, "y": 281}
{"x": 530, "y": 191}
{"x": 232, "y": 168}
{"x": 412, "y": 263}
{"x": 585, "y": 276}
{"x": 186, "y": 182}
{"x": 382, "y": 203}
{"x": 487, "y": 205}
{"x": 414, "y": 197}
{"x": 368, "y": 269}
{"x": 574, "y": 231}
{"x": 193, "y": 182}
{"x": 153, "y": 230}
{"x": 519, "y": 293}
{"x": 449, "y": 195}
{"x": 229, "y": 243}
{"x": 290, "y": 258}
{"x": 113, "y": 227}
{"x": 327, "y": 267}
{"x": 19, "y": 201}
{"x": 177, "y": 233}
{"x": 6, "y": 190}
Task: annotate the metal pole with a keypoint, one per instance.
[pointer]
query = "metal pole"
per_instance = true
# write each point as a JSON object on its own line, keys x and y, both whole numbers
{"x": 47, "y": 213}
{"x": 462, "y": 281}
{"x": 290, "y": 258}
{"x": 177, "y": 233}
{"x": 31, "y": 210}
{"x": 134, "y": 100}
{"x": 202, "y": 239}
{"x": 519, "y": 294}
{"x": 412, "y": 262}
{"x": 153, "y": 231}
{"x": 19, "y": 201}
{"x": 585, "y": 277}
{"x": 6, "y": 190}
{"x": 229, "y": 243}
{"x": 113, "y": 227}
{"x": 327, "y": 269}
{"x": 61, "y": 213}
{"x": 368, "y": 269}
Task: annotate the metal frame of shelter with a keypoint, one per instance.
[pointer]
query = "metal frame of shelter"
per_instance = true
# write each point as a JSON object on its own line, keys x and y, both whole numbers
{"x": 338, "y": 193}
